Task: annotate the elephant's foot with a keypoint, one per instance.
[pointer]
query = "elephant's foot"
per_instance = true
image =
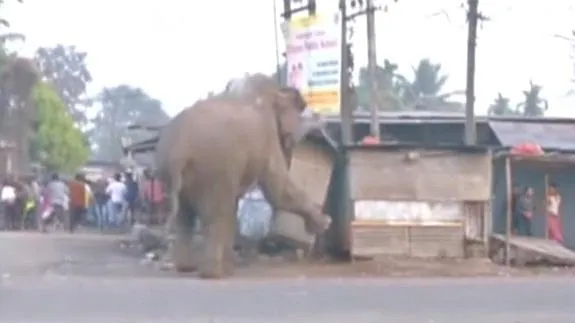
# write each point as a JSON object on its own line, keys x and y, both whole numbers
{"x": 185, "y": 269}
{"x": 217, "y": 269}
{"x": 212, "y": 271}
{"x": 183, "y": 256}
{"x": 319, "y": 223}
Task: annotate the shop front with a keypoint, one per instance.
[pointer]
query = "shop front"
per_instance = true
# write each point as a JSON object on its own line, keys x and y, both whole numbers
{"x": 419, "y": 202}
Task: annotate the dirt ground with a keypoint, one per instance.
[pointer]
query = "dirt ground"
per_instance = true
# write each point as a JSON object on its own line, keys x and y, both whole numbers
{"x": 392, "y": 267}
{"x": 96, "y": 254}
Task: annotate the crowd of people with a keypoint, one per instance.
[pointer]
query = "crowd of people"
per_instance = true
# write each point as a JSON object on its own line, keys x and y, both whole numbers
{"x": 117, "y": 201}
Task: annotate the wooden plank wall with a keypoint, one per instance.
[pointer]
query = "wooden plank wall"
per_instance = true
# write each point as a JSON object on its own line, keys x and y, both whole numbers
{"x": 433, "y": 176}
{"x": 311, "y": 169}
{"x": 370, "y": 240}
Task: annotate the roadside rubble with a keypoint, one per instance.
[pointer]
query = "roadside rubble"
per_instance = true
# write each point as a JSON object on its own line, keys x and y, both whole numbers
{"x": 153, "y": 246}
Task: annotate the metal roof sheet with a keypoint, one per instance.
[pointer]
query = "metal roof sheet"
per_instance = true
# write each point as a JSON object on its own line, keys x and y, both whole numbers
{"x": 548, "y": 135}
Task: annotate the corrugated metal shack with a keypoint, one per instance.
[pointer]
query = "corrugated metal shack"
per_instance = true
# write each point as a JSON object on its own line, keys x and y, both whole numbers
{"x": 558, "y": 141}
{"x": 554, "y": 135}
{"x": 418, "y": 201}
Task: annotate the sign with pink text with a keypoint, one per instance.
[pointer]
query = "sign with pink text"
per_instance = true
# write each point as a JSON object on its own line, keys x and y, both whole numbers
{"x": 313, "y": 52}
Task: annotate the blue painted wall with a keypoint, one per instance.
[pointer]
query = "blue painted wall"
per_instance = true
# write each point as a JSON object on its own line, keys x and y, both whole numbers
{"x": 534, "y": 177}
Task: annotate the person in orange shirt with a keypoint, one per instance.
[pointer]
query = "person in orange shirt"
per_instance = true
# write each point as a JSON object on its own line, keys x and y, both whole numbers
{"x": 77, "y": 188}
{"x": 153, "y": 196}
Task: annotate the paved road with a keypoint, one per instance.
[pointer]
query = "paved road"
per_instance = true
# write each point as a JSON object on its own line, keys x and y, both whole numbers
{"x": 91, "y": 299}
{"x": 83, "y": 278}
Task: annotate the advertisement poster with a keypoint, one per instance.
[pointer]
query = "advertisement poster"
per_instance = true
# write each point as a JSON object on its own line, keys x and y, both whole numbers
{"x": 313, "y": 52}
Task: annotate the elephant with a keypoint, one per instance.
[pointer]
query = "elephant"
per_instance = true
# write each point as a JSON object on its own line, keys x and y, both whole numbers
{"x": 211, "y": 153}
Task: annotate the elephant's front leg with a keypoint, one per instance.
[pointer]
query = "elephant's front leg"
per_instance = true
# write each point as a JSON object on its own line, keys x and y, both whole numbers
{"x": 283, "y": 194}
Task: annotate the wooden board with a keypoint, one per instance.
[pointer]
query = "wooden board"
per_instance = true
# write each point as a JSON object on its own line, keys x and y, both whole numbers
{"x": 378, "y": 174}
{"x": 375, "y": 239}
{"x": 525, "y": 250}
{"x": 444, "y": 242}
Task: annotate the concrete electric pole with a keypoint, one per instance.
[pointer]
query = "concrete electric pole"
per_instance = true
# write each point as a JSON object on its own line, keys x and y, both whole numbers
{"x": 472, "y": 21}
{"x": 346, "y": 111}
{"x": 372, "y": 67}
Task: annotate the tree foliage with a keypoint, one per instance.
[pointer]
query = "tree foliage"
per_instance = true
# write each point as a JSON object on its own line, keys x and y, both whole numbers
{"x": 123, "y": 106}
{"x": 428, "y": 81}
{"x": 389, "y": 87}
{"x": 65, "y": 68}
{"x": 501, "y": 107}
{"x": 424, "y": 90}
{"x": 533, "y": 105}
{"x": 57, "y": 144}
{"x": 18, "y": 75}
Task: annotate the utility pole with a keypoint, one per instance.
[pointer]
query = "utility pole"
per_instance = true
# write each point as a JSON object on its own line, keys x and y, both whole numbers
{"x": 472, "y": 21}
{"x": 346, "y": 111}
{"x": 372, "y": 67}
{"x": 276, "y": 42}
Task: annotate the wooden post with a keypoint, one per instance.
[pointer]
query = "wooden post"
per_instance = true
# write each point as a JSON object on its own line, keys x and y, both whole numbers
{"x": 509, "y": 212}
{"x": 546, "y": 191}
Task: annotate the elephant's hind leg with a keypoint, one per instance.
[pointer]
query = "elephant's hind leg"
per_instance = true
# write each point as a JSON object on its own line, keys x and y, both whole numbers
{"x": 218, "y": 219}
{"x": 183, "y": 248}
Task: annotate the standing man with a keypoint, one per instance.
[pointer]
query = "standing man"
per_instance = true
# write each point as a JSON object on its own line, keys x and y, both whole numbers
{"x": 77, "y": 201}
{"x": 524, "y": 212}
{"x": 153, "y": 194}
{"x": 58, "y": 193}
{"x": 116, "y": 191}
{"x": 131, "y": 196}
{"x": 101, "y": 209}
{"x": 8, "y": 198}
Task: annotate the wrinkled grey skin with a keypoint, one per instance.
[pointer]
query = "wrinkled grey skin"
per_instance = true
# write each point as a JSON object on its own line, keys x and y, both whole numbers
{"x": 211, "y": 153}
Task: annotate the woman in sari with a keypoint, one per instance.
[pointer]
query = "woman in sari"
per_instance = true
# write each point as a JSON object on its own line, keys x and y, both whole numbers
{"x": 554, "y": 227}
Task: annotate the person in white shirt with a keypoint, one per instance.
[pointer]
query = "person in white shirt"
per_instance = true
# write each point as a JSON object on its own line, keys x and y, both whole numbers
{"x": 8, "y": 197}
{"x": 116, "y": 191}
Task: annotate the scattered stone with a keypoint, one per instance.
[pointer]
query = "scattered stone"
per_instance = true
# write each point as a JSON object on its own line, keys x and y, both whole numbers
{"x": 152, "y": 256}
{"x": 147, "y": 239}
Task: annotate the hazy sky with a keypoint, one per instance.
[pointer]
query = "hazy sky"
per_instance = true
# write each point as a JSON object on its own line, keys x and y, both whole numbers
{"x": 179, "y": 50}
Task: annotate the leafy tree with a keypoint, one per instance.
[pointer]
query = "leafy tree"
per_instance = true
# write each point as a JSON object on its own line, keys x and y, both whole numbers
{"x": 501, "y": 107}
{"x": 425, "y": 91}
{"x": 17, "y": 78}
{"x": 428, "y": 81}
{"x": 389, "y": 85}
{"x": 65, "y": 68}
{"x": 57, "y": 144}
{"x": 123, "y": 106}
{"x": 533, "y": 105}
{"x": 17, "y": 115}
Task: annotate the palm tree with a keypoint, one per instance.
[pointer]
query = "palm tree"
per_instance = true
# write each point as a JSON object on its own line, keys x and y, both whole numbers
{"x": 501, "y": 107}
{"x": 428, "y": 80}
{"x": 533, "y": 105}
{"x": 389, "y": 85}
{"x": 426, "y": 88}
